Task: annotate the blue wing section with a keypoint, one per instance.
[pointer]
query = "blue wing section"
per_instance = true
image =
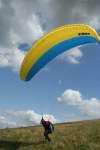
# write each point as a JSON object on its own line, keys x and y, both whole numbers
{"x": 56, "y": 50}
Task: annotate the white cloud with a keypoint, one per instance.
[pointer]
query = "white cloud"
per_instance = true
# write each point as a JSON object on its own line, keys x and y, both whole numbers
{"x": 72, "y": 56}
{"x": 89, "y": 107}
{"x": 4, "y": 123}
{"x": 70, "y": 97}
{"x": 23, "y": 118}
{"x": 17, "y": 25}
{"x": 11, "y": 58}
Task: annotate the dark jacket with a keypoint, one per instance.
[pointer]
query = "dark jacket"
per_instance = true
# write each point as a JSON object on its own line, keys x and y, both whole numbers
{"x": 47, "y": 125}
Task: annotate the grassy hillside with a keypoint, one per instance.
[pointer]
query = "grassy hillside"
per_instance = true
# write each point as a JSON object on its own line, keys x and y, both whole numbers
{"x": 83, "y": 135}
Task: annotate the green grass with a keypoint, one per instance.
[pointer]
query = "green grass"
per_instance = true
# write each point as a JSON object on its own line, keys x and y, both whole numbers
{"x": 83, "y": 135}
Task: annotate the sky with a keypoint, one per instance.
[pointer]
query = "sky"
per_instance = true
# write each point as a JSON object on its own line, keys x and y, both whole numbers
{"x": 66, "y": 89}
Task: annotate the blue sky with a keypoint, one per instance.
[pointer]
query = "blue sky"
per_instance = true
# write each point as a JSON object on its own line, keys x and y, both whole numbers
{"x": 66, "y": 89}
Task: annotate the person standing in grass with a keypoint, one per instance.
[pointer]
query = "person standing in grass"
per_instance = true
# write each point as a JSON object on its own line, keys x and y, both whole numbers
{"x": 48, "y": 128}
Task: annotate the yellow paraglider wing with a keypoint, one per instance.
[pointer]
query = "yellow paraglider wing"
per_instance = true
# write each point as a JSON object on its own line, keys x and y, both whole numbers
{"x": 54, "y": 43}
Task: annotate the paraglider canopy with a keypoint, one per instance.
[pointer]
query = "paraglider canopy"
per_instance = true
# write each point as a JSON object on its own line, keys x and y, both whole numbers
{"x": 54, "y": 43}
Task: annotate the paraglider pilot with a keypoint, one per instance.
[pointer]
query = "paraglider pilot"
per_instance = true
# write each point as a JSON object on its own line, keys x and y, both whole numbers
{"x": 48, "y": 128}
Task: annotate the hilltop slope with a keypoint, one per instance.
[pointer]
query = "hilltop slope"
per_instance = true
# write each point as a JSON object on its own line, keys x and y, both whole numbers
{"x": 84, "y": 135}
